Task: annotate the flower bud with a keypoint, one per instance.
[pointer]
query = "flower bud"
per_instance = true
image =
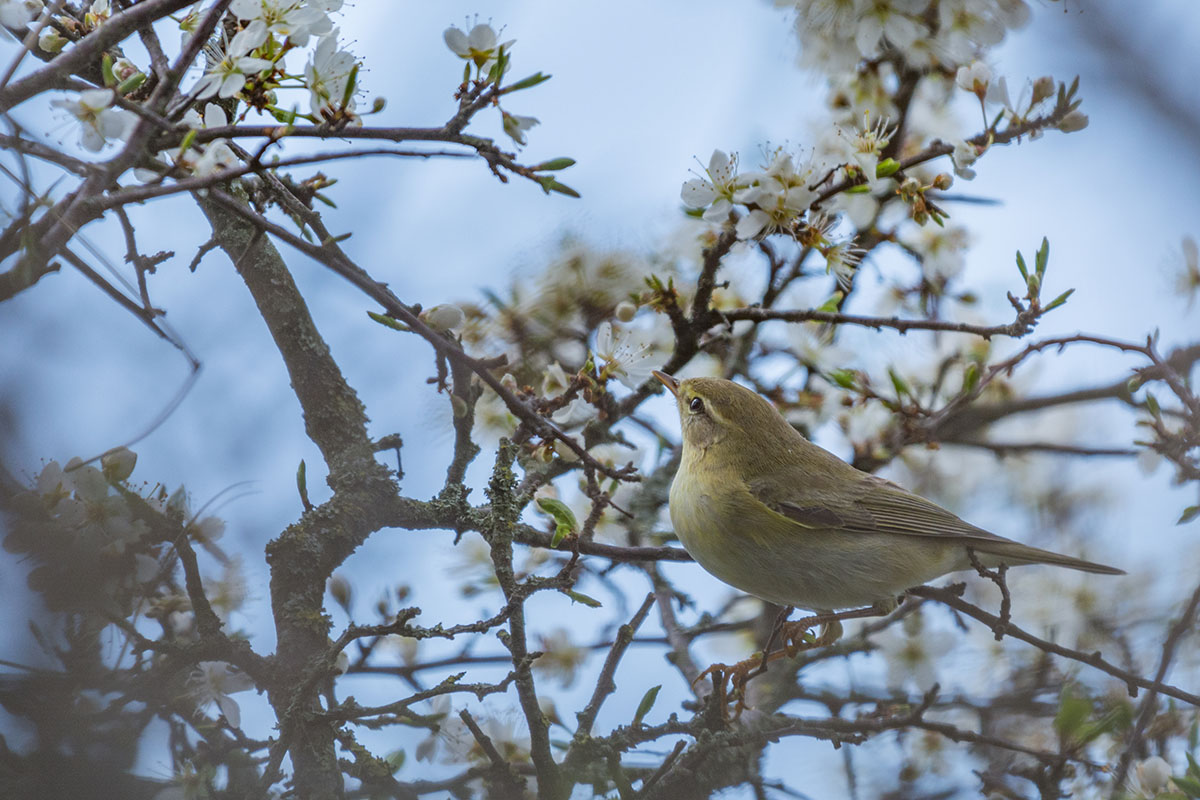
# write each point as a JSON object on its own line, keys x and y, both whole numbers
{"x": 625, "y": 311}
{"x": 50, "y": 40}
{"x": 1043, "y": 87}
{"x": 943, "y": 181}
{"x": 118, "y": 464}
{"x": 1153, "y": 773}
{"x": 1075, "y": 121}
{"x": 124, "y": 69}
{"x": 444, "y": 317}
{"x": 341, "y": 590}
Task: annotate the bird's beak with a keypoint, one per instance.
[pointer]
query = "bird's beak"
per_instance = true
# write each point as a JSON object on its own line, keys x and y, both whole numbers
{"x": 667, "y": 381}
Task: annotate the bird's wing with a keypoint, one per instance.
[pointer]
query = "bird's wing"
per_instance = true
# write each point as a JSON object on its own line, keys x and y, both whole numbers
{"x": 874, "y": 505}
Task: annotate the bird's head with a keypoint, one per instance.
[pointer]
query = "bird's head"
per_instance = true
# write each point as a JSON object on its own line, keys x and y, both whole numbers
{"x": 718, "y": 413}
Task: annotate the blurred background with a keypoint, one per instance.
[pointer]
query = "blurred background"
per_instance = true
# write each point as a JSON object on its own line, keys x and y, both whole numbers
{"x": 641, "y": 94}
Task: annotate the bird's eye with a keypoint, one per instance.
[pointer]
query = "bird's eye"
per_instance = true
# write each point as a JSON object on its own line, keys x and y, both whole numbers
{"x": 697, "y": 405}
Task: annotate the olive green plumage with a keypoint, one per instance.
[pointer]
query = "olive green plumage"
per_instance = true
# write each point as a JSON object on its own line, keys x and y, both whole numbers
{"x": 766, "y": 510}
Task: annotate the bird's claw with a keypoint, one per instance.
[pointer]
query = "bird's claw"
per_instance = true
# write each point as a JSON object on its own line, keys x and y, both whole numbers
{"x": 736, "y": 676}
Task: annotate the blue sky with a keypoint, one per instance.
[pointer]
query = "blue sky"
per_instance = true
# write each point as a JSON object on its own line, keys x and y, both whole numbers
{"x": 640, "y": 92}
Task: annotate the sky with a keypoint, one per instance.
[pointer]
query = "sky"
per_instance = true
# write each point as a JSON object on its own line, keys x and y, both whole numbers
{"x": 640, "y": 96}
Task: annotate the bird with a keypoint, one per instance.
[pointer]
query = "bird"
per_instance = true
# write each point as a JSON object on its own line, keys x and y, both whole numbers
{"x": 772, "y": 514}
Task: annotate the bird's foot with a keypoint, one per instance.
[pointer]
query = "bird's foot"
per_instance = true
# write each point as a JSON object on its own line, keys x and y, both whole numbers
{"x": 797, "y": 636}
{"x": 730, "y": 680}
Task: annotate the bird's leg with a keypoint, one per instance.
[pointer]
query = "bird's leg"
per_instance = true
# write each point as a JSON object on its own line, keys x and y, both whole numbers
{"x": 780, "y": 619}
{"x": 796, "y": 637}
{"x": 793, "y": 636}
{"x": 739, "y": 674}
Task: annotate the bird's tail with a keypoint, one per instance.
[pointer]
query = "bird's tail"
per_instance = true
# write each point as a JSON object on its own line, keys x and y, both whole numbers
{"x": 1014, "y": 553}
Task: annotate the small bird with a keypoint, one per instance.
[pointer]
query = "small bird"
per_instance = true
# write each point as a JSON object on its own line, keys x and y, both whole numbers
{"x": 771, "y": 513}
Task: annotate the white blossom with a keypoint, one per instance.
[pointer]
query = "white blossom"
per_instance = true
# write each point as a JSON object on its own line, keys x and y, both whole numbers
{"x": 18, "y": 13}
{"x": 576, "y": 412}
{"x": 780, "y": 194}
{"x": 216, "y": 155}
{"x": 1152, "y": 774}
{"x": 480, "y": 46}
{"x": 451, "y": 738}
{"x": 98, "y": 121}
{"x": 515, "y": 126}
{"x": 230, "y": 66}
{"x": 867, "y": 146}
{"x": 974, "y": 77}
{"x": 813, "y": 345}
{"x": 967, "y": 26}
{"x": 213, "y": 682}
{"x": 293, "y": 20}
{"x": 942, "y": 251}
{"x": 716, "y": 193}
{"x": 964, "y": 155}
{"x": 327, "y": 76}
{"x": 841, "y": 260}
{"x": 896, "y": 21}
{"x": 626, "y": 354}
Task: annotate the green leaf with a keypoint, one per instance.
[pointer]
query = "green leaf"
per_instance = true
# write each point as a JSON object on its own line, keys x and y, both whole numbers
{"x": 549, "y": 184}
{"x": 132, "y": 82}
{"x": 1058, "y": 301}
{"x": 580, "y": 597}
{"x": 970, "y": 377}
{"x": 526, "y": 83}
{"x": 1152, "y": 405}
{"x": 188, "y": 139}
{"x": 564, "y": 518}
{"x": 832, "y": 304}
{"x": 887, "y": 168}
{"x": 645, "y": 705}
{"x": 1021, "y": 266}
{"x": 554, "y": 164}
{"x": 861, "y": 188}
{"x": 1193, "y": 767}
{"x": 395, "y": 759}
{"x": 1043, "y": 257}
{"x": 899, "y": 384}
{"x": 106, "y": 73}
{"x": 387, "y": 321}
{"x": 845, "y": 378}
{"x": 1187, "y": 784}
{"x": 1189, "y": 514}
{"x": 351, "y": 83}
{"x": 1073, "y": 712}
{"x": 1114, "y": 719}
{"x": 302, "y": 484}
